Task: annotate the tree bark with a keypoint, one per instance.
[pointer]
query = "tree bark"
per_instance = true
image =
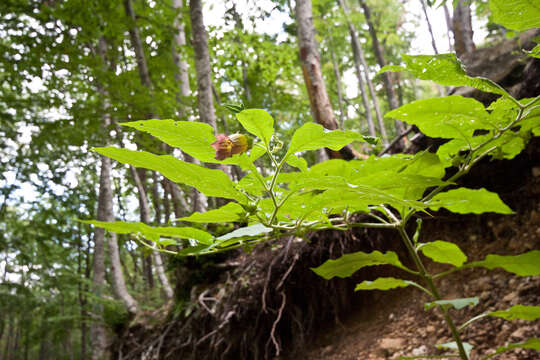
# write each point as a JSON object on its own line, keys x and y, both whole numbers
{"x": 181, "y": 75}
{"x": 448, "y": 26}
{"x": 321, "y": 108}
{"x": 462, "y": 28}
{"x": 388, "y": 82}
{"x": 202, "y": 65}
{"x": 337, "y": 73}
{"x": 105, "y": 205}
{"x": 433, "y": 43}
{"x": 144, "y": 212}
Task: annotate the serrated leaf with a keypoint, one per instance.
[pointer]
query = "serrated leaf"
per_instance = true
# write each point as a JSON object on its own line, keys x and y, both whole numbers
{"x": 258, "y": 122}
{"x": 453, "y": 346}
{"x": 455, "y": 303}
{"x": 517, "y": 15}
{"x": 348, "y": 264}
{"x": 210, "y": 182}
{"x": 522, "y": 312}
{"x": 297, "y": 162}
{"x": 192, "y": 137}
{"x": 532, "y": 343}
{"x": 386, "y": 283}
{"x": 121, "y": 227}
{"x": 230, "y": 212}
{"x": 444, "y": 69}
{"x": 445, "y": 117}
{"x": 535, "y": 52}
{"x": 248, "y": 231}
{"x": 467, "y": 201}
{"x": 312, "y": 136}
{"x": 527, "y": 264}
{"x": 444, "y": 252}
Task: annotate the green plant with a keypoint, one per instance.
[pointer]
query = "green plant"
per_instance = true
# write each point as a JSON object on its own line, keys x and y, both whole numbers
{"x": 389, "y": 190}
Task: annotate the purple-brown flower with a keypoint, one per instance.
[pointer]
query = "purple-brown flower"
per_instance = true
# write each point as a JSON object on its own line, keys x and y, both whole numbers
{"x": 228, "y": 146}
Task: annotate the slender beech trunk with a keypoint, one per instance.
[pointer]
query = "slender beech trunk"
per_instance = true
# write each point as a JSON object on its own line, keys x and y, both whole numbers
{"x": 321, "y": 108}
{"x": 337, "y": 73}
{"x": 379, "y": 55}
{"x": 449, "y": 31}
{"x": 202, "y": 64}
{"x": 357, "y": 54}
{"x": 81, "y": 289}
{"x": 462, "y": 28}
{"x": 144, "y": 211}
{"x": 105, "y": 206}
{"x": 430, "y": 29}
{"x": 179, "y": 58}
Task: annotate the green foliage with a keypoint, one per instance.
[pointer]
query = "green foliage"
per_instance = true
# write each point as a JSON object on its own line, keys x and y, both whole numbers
{"x": 527, "y": 264}
{"x": 232, "y": 212}
{"x": 443, "y": 252}
{"x": 517, "y": 15}
{"x": 348, "y": 264}
{"x": 467, "y": 201}
{"x": 522, "y": 312}
{"x": 381, "y": 283}
{"x": 455, "y": 303}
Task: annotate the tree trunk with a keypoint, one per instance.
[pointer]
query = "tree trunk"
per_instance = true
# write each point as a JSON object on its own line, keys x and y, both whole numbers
{"x": 105, "y": 206}
{"x": 144, "y": 211}
{"x": 462, "y": 28}
{"x": 337, "y": 73}
{"x": 81, "y": 289}
{"x": 321, "y": 108}
{"x": 181, "y": 75}
{"x": 448, "y": 26}
{"x": 379, "y": 55}
{"x": 202, "y": 65}
{"x": 433, "y": 43}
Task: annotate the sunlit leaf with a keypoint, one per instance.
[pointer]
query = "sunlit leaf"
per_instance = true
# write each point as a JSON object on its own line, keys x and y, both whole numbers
{"x": 467, "y": 201}
{"x": 532, "y": 343}
{"x": 386, "y": 283}
{"x": 522, "y": 312}
{"x": 527, "y": 264}
{"x": 444, "y": 69}
{"x": 311, "y": 136}
{"x": 121, "y": 227}
{"x": 455, "y": 303}
{"x": 210, "y": 182}
{"x": 453, "y": 346}
{"x": 258, "y": 122}
{"x": 348, "y": 264}
{"x": 517, "y": 15}
{"x": 230, "y": 212}
{"x": 444, "y": 252}
{"x": 445, "y": 117}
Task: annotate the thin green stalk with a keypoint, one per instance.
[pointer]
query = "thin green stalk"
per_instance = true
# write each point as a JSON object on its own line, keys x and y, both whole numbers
{"x": 433, "y": 289}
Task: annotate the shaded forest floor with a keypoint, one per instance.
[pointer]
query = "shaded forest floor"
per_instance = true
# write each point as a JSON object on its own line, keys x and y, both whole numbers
{"x": 396, "y": 323}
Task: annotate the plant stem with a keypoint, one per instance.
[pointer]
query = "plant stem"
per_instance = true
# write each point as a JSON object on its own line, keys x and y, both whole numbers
{"x": 431, "y": 286}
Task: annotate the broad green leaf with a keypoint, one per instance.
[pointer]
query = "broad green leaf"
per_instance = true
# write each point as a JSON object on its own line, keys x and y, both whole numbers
{"x": 348, "y": 264}
{"x": 297, "y": 162}
{"x": 527, "y": 264}
{"x": 444, "y": 252}
{"x": 248, "y": 231}
{"x": 386, "y": 283}
{"x": 445, "y": 117}
{"x": 444, "y": 69}
{"x": 453, "y": 346}
{"x": 192, "y": 137}
{"x": 121, "y": 227}
{"x": 535, "y": 52}
{"x": 532, "y": 343}
{"x": 519, "y": 15}
{"x": 455, "y": 303}
{"x": 230, "y": 212}
{"x": 256, "y": 152}
{"x": 467, "y": 201}
{"x": 312, "y": 136}
{"x": 210, "y": 182}
{"x": 258, "y": 122}
{"x": 522, "y": 312}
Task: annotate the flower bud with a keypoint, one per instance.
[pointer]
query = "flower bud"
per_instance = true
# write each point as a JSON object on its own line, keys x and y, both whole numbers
{"x": 227, "y": 146}
{"x": 240, "y": 143}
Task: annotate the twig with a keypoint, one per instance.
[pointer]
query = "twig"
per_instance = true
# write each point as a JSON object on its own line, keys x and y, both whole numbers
{"x": 395, "y": 141}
